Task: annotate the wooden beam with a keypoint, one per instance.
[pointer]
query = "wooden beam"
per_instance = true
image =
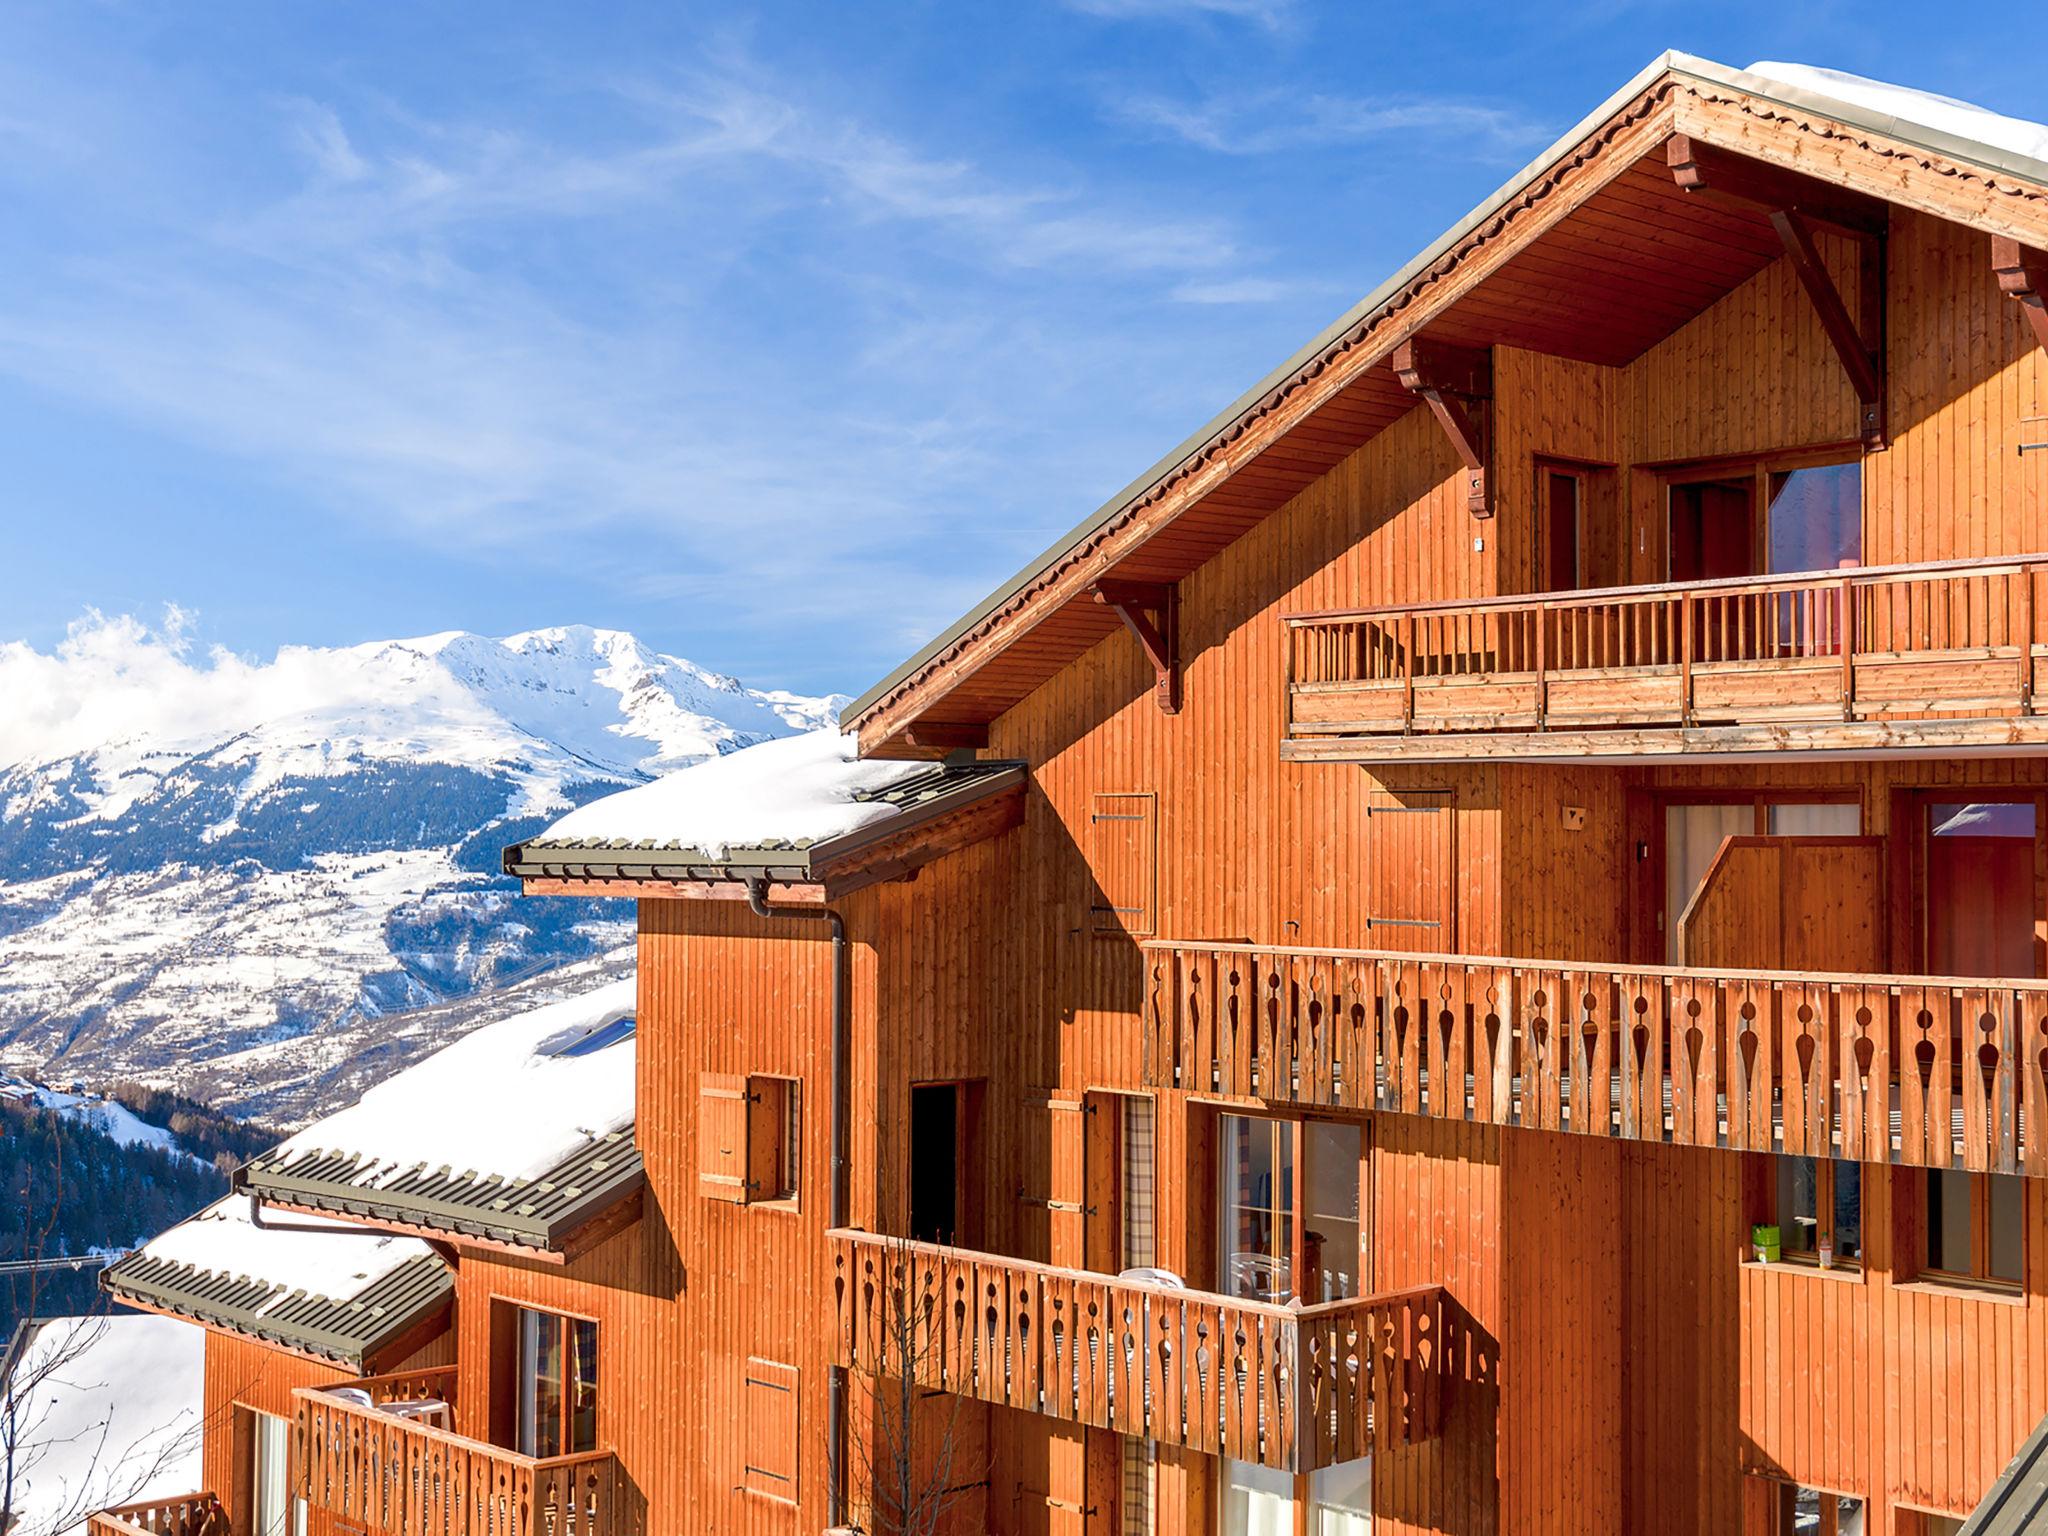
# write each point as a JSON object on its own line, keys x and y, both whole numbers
{"x": 1151, "y": 611}
{"x": 1719, "y": 175}
{"x": 1457, "y": 384}
{"x": 2023, "y": 276}
{"x": 670, "y": 890}
{"x": 1862, "y": 353}
{"x": 947, "y": 735}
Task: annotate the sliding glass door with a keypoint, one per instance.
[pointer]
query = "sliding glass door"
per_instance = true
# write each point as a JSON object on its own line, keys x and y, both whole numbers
{"x": 557, "y": 1396}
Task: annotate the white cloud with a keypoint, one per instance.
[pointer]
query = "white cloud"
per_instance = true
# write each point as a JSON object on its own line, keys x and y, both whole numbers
{"x": 1236, "y": 290}
{"x": 1269, "y": 122}
{"x": 119, "y": 679}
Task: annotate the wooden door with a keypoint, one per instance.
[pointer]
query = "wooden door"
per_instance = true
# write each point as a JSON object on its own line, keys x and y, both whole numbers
{"x": 1410, "y": 881}
{"x": 1713, "y": 530}
{"x": 1788, "y": 904}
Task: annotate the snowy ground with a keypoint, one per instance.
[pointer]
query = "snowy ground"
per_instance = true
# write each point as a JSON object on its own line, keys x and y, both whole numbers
{"x": 109, "y": 1411}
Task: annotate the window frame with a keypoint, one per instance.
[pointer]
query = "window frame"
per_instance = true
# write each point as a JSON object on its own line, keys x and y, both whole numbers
{"x": 1296, "y": 1212}
{"x": 1759, "y": 469}
{"x": 1826, "y": 1171}
{"x": 518, "y": 1311}
{"x": 1979, "y": 1277}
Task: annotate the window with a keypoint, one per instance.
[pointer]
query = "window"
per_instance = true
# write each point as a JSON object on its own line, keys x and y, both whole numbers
{"x": 1284, "y": 1235}
{"x": 1122, "y": 858}
{"x": 1974, "y": 1226}
{"x": 556, "y": 1392}
{"x": 1564, "y": 511}
{"x": 769, "y": 1453}
{"x": 1819, "y": 1210}
{"x": 1137, "y": 1248}
{"x": 1139, "y": 1466}
{"x": 272, "y": 1509}
{"x": 1790, "y": 1509}
{"x": 747, "y": 1137}
{"x": 1258, "y": 1501}
{"x": 1812, "y": 521}
{"x": 1816, "y": 518}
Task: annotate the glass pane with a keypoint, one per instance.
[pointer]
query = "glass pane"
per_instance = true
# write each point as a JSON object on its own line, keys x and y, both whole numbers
{"x": 2008, "y": 1205}
{"x": 1988, "y": 819}
{"x": 582, "y": 1385}
{"x": 1137, "y": 1487}
{"x": 1692, "y": 836}
{"x": 541, "y": 1378}
{"x": 1340, "y": 1499}
{"x": 271, "y": 1483}
{"x": 1798, "y": 1216}
{"x": 1257, "y": 1216}
{"x": 1816, "y": 518}
{"x": 1257, "y": 1501}
{"x": 1848, "y": 1212}
{"x": 1844, "y": 819}
{"x": 1948, "y": 1221}
{"x": 1849, "y": 1516}
{"x": 1330, "y": 1236}
{"x": 529, "y": 1353}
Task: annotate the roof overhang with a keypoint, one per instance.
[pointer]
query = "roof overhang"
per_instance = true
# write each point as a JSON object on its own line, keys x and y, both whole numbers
{"x": 553, "y": 1217}
{"x": 1469, "y": 287}
{"x": 385, "y": 1321}
{"x": 988, "y": 799}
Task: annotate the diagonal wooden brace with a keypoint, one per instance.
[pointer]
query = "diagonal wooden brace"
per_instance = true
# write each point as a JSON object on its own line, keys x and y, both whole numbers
{"x": 1457, "y": 385}
{"x": 1151, "y": 611}
{"x": 2023, "y": 276}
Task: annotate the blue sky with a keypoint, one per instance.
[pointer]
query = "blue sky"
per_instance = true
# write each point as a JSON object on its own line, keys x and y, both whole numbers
{"x": 777, "y": 335}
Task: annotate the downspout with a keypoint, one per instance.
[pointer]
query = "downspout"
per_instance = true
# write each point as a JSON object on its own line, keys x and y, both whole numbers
{"x": 835, "y": 1402}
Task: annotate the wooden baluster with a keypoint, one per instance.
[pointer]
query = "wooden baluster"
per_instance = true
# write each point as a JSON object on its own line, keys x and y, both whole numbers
{"x": 1686, "y": 624}
{"x": 2025, "y": 625}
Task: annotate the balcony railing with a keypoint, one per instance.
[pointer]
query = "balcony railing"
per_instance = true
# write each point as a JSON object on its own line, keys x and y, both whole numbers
{"x": 189, "y": 1514}
{"x": 1294, "y": 1388}
{"x": 1932, "y": 1072}
{"x": 1834, "y": 658}
{"x": 403, "y": 1476}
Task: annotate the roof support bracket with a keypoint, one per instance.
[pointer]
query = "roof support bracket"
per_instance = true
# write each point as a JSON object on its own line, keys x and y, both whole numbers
{"x": 1457, "y": 385}
{"x": 1151, "y": 611}
{"x": 1795, "y": 204}
{"x": 2023, "y": 276}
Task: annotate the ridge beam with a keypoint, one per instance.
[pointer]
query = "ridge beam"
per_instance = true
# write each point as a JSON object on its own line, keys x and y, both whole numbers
{"x": 1457, "y": 385}
{"x": 1151, "y": 611}
{"x": 2022, "y": 275}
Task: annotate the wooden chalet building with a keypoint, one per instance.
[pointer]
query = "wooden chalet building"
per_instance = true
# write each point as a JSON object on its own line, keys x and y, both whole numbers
{"x": 1466, "y": 955}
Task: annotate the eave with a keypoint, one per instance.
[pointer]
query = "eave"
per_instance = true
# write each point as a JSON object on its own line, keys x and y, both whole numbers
{"x": 1516, "y": 272}
{"x": 985, "y": 804}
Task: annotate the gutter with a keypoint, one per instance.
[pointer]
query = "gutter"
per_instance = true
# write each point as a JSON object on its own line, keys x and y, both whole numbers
{"x": 835, "y": 1402}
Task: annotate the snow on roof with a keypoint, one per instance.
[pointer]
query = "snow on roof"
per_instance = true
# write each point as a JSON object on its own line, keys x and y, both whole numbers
{"x": 511, "y": 1100}
{"x": 1942, "y": 114}
{"x": 789, "y": 793}
{"x": 222, "y": 1240}
{"x": 114, "y": 1419}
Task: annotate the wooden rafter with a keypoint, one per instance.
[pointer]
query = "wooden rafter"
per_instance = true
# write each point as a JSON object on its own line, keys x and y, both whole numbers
{"x": 1151, "y": 611}
{"x": 1795, "y": 204}
{"x": 2023, "y": 276}
{"x": 1457, "y": 385}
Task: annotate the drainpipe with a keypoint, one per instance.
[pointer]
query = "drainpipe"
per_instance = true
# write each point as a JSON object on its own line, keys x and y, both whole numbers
{"x": 835, "y": 1402}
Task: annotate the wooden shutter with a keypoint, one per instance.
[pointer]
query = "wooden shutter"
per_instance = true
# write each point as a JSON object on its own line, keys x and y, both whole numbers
{"x": 1054, "y": 1176}
{"x": 722, "y": 1136}
{"x": 1410, "y": 882}
{"x": 1123, "y": 849}
{"x": 769, "y": 1450}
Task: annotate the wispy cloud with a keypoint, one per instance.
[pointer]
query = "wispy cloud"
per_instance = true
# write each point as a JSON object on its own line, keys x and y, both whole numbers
{"x": 1243, "y": 290}
{"x": 1269, "y": 122}
{"x": 1271, "y": 14}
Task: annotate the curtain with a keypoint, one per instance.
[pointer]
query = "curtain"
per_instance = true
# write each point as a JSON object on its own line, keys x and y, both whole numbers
{"x": 1692, "y": 836}
{"x": 1139, "y": 1250}
{"x": 1257, "y": 1501}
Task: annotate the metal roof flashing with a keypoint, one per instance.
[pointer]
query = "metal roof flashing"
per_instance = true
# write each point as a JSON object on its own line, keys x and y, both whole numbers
{"x": 1671, "y": 62}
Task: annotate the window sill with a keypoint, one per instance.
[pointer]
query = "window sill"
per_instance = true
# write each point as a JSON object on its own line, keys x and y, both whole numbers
{"x": 773, "y": 1205}
{"x": 1964, "y": 1290}
{"x": 1850, "y": 1273}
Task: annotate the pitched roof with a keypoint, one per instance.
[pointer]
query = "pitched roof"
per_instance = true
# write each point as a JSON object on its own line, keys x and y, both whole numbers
{"x": 1952, "y": 131}
{"x": 784, "y": 810}
{"x": 338, "y": 1296}
{"x": 2017, "y": 1503}
{"x": 539, "y": 1211}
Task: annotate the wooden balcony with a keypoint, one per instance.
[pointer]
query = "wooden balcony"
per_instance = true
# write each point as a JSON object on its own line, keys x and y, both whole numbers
{"x": 189, "y": 1514}
{"x": 1294, "y": 1388}
{"x": 393, "y": 1476}
{"x": 1930, "y": 1072}
{"x": 1948, "y": 656}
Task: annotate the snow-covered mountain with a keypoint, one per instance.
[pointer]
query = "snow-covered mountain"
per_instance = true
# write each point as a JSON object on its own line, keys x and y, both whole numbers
{"x": 235, "y": 900}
